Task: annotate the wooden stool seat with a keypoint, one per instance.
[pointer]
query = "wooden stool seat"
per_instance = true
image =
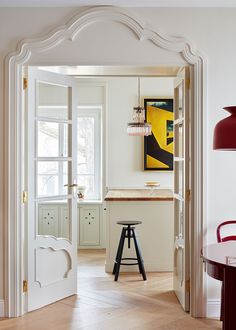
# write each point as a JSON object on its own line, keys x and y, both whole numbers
{"x": 128, "y": 231}
{"x": 129, "y": 222}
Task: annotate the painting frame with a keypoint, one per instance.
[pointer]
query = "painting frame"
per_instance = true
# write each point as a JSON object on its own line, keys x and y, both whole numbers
{"x": 159, "y": 146}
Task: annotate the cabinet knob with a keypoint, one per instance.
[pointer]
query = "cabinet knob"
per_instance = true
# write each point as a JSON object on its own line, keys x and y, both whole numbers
{"x": 105, "y": 209}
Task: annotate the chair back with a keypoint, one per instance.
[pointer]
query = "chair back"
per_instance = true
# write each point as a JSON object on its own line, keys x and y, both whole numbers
{"x": 226, "y": 231}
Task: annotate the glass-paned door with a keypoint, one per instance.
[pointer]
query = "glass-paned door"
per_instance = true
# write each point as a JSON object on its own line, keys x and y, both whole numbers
{"x": 181, "y": 188}
{"x": 51, "y": 180}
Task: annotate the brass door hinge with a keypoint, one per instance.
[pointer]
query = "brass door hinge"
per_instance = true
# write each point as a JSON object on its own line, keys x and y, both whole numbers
{"x": 188, "y": 194}
{"x": 25, "y": 286}
{"x": 188, "y": 83}
{"x": 25, "y": 83}
{"x": 25, "y": 197}
{"x": 187, "y": 286}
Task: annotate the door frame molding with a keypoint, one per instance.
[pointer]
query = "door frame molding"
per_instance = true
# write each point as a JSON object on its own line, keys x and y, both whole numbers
{"x": 13, "y": 133}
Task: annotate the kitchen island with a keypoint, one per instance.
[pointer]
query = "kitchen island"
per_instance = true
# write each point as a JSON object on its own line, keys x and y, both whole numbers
{"x": 154, "y": 207}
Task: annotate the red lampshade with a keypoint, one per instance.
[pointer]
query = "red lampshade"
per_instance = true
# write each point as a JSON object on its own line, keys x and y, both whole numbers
{"x": 225, "y": 131}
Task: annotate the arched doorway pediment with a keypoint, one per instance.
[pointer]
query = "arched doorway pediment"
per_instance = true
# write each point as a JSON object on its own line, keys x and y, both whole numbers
{"x": 81, "y": 21}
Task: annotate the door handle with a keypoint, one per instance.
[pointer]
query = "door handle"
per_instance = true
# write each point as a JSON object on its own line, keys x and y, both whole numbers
{"x": 71, "y": 185}
{"x": 74, "y": 188}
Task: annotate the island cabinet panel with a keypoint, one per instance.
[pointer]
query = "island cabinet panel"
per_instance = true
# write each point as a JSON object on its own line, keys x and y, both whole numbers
{"x": 155, "y": 234}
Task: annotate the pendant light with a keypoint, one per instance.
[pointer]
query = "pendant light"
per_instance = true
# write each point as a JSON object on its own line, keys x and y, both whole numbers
{"x": 139, "y": 127}
{"x": 225, "y": 131}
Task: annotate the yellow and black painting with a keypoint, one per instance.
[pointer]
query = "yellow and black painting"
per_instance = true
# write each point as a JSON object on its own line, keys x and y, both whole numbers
{"x": 159, "y": 146}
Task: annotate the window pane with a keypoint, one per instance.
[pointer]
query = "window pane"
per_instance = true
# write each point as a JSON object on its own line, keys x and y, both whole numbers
{"x": 52, "y": 101}
{"x": 65, "y": 179}
{"x": 85, "y": 145}
{"x": 64, "y": 138}
{"x": 48, "y": 178}
{"x": 47, "y": 185}
{"x": 48, "y": 215}
{"x": 50, "y": 181}
{"x": 88, "y": 182}
{"x": 179, "y": 180}
{"x": 48, "y": 139}
{"x": 49, "y": 168}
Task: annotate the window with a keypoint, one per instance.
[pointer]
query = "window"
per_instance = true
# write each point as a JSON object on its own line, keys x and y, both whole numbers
{"x": 52, "y": 175}
{"x": 89, "y": 150}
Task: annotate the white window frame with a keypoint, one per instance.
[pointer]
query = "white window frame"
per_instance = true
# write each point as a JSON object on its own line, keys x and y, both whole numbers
{"x": 94, "y": 111}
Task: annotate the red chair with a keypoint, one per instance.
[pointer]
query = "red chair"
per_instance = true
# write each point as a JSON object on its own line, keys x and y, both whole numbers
{"x": 225, "y": 226}
{"x": 224, "y": 234}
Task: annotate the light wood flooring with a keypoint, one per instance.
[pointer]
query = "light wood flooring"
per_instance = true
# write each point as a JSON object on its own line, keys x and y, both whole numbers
{"x": 102, "y": 304}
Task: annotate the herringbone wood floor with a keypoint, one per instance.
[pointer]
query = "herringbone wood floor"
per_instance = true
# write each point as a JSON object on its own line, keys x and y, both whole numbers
{"x": 102, "y": 304}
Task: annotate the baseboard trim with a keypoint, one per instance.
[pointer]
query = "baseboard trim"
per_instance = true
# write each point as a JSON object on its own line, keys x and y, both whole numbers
{"x": 2, "y": 308}
{"x": 213, "y": 308}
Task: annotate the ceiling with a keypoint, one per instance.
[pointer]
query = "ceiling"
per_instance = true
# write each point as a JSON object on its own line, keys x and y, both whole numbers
{"x": 123, "y": 3}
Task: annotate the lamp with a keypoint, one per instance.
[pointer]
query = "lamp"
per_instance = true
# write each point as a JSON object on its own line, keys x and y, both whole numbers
{"x": 225, "y": 131}
{"x": 225, "y": 139}
{"x": 139, "y": 127}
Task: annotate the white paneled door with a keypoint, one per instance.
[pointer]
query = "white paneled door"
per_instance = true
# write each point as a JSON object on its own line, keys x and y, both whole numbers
{"x": 50, "y": 175}
{"x": 181, "y": 188}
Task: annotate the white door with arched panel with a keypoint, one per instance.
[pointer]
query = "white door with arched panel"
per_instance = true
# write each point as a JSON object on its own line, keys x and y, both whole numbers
{"x": 51, "y": 121}
{"x": 181, "y": 188}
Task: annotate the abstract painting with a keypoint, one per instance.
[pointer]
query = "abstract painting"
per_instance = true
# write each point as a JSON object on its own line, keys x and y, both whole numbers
{"x": 159, "y": 146}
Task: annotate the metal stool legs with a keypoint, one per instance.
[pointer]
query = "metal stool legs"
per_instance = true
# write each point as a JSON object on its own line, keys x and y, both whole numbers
{"x": 139, "y": 256}
{"x": 119, "y": 254}
{"x": 128, "y": 232}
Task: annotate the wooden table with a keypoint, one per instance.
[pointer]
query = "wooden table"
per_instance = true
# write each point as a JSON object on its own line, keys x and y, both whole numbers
{"x": 220, "y": 259}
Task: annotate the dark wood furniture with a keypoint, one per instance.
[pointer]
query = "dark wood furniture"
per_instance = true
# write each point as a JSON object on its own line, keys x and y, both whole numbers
{"x": 221, "y": 237}
{"x": 220, "y": 260}
{"x": 128, "y": 231}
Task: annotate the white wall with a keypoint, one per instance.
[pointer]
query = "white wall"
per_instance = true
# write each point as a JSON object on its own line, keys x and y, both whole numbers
{"x": 213, "y": 32}
{"x": 124, "y": 154}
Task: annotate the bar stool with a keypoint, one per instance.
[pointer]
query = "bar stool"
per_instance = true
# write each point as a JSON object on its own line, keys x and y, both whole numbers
{"x": 128, "y": 231}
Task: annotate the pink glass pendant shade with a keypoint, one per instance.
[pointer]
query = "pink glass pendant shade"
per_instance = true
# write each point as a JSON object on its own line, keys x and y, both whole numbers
{"x": 225, "y": 131}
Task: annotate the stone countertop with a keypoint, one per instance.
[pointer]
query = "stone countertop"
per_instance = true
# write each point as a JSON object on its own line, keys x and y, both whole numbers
{"x": 139, "y": 195}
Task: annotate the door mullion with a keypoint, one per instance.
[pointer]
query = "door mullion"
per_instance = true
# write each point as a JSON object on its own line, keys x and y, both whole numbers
{"x": 60, "y": 165}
